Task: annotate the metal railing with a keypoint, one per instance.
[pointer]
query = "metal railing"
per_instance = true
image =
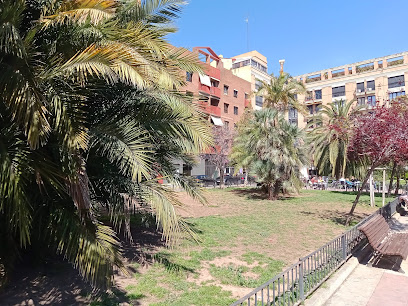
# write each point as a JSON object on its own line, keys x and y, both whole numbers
{"x": 293, "y": 285}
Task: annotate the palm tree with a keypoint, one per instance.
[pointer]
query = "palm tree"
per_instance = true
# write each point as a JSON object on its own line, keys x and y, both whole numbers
{"x": 330, "y": 138}
{"x": 281, "y": 92}
{"x": 90, "y": 116}
{"x": 272, "y": 149}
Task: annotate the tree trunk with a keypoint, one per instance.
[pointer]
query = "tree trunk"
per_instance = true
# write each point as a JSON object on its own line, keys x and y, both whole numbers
{"x": 246, "y": 178}
{"x": 394, "y": 166}
{"x": 271, "y": 192}
{"x": 277, "y": 188}
{"x": 221, "y": 177}
{"x": 398, "y": 183}
{"x": 350, "y": 214}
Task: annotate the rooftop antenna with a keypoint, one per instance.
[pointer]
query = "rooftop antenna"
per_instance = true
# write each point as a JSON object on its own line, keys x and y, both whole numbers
{"x": 247, "y": 34}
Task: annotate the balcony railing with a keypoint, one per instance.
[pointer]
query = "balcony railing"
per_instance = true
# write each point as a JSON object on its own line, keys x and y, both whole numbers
{"x": 215, "y": 91}
{"x": 204, "y": 88}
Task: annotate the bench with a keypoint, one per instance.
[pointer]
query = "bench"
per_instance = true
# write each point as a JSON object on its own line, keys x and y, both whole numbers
{"x": 384, "y": 242}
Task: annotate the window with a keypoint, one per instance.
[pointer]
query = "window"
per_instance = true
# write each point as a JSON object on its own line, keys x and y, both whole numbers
{"x": 295, "y": 96}
{"x": 257, "y": 65}
{"x": 235, "y": 93}
{"x": 259, "y": 101}
{"x": 235, "y": 110}
{"x": 235, "y": 125}
{"x": 226, "y": 124}
{"x": 310, "y": 109}
{"x": 189, "y": 76}
{"x": 396, "y": 81}
{"x": 258, "y": 84}
{"x": 293, "y": 116}
{"x": 240, "y": 64}
{"x": 371, "y": 101}
{"x": 246, "y": 96}
{"x": 215, "y": 83}
{"x": 338, "y": 91}
{"x": 318, "y": 107}
{"x": 360, "y": 87}
{"x": 393, "y": 95}
{"x": 226, "y": 90}
{"x": 226, "y": 105}
{"x": 318, "y": 94}
{"x": 361, "y": 101}
{"x": 370, "y": 85}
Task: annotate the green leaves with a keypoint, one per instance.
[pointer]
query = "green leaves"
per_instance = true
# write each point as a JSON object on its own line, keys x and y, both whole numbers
{"x": 90, "y": 117}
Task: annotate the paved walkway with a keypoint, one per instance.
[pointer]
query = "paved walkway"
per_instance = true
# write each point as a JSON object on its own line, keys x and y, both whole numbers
{"x": 375, "y": 286}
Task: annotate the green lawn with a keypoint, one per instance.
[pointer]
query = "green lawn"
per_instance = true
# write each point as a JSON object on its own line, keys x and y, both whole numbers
{"x": 244, "y": 241}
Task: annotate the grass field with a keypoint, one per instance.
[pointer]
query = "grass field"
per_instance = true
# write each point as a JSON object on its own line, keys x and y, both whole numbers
{"x": 244, "y": 241}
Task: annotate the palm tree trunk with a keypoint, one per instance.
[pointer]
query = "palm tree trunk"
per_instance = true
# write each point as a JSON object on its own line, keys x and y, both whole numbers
{"x": 350, "y": 214}
{"x": 394, "y": 166}
{"x": 271, "y": 191}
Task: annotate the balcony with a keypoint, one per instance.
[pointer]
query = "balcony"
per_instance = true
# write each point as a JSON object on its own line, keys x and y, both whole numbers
{"x": 210, "y": 109}
{"x": 204, "y": 88}
{"x": 215, "y": 91}
{"x": 212, "y": 72}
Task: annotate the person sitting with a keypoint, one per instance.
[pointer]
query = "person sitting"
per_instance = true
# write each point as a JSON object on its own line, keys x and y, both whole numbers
{"x": 402, "y": 206}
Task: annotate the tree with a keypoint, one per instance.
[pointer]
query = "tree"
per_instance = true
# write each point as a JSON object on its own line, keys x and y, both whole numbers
{"x": 89, "y": 99}
{"x": 274, "y": 150}
{"x": 330, "y": 138}
{"x": 281, "y": 92}
{"x": 378, "y": 138}
{"x": 218, "y": 156}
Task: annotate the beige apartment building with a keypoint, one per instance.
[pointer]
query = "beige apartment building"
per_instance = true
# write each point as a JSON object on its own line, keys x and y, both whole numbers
{"x": 252, "y": 67}
{"x": 370, "y": 82}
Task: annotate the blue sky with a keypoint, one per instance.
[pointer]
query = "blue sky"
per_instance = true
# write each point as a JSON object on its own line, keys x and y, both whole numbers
{"x": 309, "y": 34}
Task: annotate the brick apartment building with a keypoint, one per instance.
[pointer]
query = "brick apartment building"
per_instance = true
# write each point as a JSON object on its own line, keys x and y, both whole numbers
{"x": 222, "y": 96}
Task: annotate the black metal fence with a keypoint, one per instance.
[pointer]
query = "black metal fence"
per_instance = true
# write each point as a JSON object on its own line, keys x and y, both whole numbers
{"x": 293, "y": 285}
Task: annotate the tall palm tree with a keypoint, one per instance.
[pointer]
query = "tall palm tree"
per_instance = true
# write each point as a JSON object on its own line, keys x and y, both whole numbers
{"x": 90, "y": 116}
{"x": 281, "y": 92}
{"x": 272, "y": 149}
{"x": 330, "y": 138}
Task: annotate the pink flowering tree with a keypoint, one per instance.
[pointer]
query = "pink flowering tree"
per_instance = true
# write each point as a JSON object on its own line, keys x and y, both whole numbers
{"x": 378, "y": 138}
{"x": 218, "y": 154}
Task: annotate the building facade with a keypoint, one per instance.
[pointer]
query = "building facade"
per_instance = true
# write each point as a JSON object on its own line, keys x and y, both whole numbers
{"x": 370, "y": 82}
{"x": 221, "y": 95}
{"x": 252, "y": 67}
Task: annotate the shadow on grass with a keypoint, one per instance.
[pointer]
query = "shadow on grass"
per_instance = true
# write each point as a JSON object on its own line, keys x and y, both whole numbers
{"x": 165, "y": 260}
{"x": 337, "y": 217}
{"x": 257, "y": 194}
{"x": 54, "y": 282}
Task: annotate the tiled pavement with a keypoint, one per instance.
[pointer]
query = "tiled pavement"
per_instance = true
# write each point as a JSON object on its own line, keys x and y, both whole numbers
{"x": 374, "y": 286}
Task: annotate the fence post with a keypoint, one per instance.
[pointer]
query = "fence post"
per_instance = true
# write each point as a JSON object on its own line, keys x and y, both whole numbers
{"x": 301, "y": 281}
{"x": 343, "y": 246}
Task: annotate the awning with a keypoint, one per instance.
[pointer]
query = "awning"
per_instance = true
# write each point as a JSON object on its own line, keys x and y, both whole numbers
{"x": 217, "y": 121}
{"x": 205, "y": 80}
